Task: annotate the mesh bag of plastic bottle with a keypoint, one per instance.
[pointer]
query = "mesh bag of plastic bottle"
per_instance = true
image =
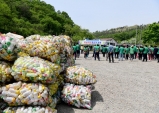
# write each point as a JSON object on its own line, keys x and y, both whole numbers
{"x": 77, "y": 95}
{"x": 8, "y": 49}
{"x": 34, "y": 69}
{"x": 5, "y": 72}
{"x": 32, "y": 94}
{"x": 79, "y": 75}
{"x": 37, "y": 109}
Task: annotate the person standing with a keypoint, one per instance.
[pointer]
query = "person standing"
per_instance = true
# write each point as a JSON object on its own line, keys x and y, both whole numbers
{"x": 82, "y": 48}
{"x": 145, "y": 51}
{"x": 78, "y": 50}
{"x": 131, "y": 53}
{"x": 110, "y": 53}
{"x": 149, "y": 53}
{"x": 106, "y": 52}
{"x": 135, "y": 51}
{"x": 121, "y": 51}
{"x": 97, "y": 49}
{"x": 116, "y": 51}
{"x": 103, "y": 50}
{"x": 126, "y": 52}
{"x": 155, "y": 52}
{"x": 93, "y": 51}
{"x": 74, "y": 50}
{"x": 152, "y": 51}
{"x": 158, "y": 55}
{"x": 140, "y": 52}
{"x": 85, "y": 52}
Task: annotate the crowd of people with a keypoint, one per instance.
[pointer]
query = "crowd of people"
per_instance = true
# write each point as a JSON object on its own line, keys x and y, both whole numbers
{"x": 121, "y": 52}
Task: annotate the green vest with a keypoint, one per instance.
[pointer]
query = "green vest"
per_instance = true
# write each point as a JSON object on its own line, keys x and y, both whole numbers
{"x": 78, "y": 47}
{"x": 74, "y": 48}
{"x": 97, "y": 48}
{"x": 146, "y": 50}
{"x": 127, "y": 50}
{"x": 121, "y": 50}
{"x": 131, "y": 50}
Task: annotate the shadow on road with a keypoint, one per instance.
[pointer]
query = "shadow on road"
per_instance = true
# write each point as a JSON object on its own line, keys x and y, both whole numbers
{"x": 96, "y": 97}
{"x": 64, "y": 108}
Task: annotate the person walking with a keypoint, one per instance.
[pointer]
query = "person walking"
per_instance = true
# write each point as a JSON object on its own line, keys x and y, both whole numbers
{"x": 126, "y": 52}
{"x": 131, "y": 53}
{"x": 97, "y": 49}
{"x": 78, "y": 50}
{"x": 145, "y": 52}
{"x": 121, "y": 51}
{"x": 74, "y": 50}
{"x": 110, "y": 53}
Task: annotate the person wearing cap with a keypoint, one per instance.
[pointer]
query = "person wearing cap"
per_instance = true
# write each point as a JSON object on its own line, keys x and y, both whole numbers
{"x": 110, "y": 53}
{"x": 97, "y": 49}
{"x": 145, "y": 51}
{"x": 131, "y": 53}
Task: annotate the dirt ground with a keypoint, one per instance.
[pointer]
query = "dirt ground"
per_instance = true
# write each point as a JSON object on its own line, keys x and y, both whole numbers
{"x": 122, "y": 87}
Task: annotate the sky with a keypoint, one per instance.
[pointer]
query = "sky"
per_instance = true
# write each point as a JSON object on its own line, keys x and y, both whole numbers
{"x": 99, "y": 15}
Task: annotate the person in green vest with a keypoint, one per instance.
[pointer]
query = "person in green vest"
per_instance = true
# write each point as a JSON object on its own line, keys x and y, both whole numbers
{"x": 78, "y": 50}
{"x": 85, "y": 52}
{"x": 103, "y": 50}
{"x": 126, "y": 52}
{"x": 152, "y": 51}
{"x": 106, "y": 52}
{"x": 93, "y": 51}
{"x": 145, "y": 52}
{"x": 74, "y": 50}
{"x": 116, "y": 50}
{"x": 97, "y": 49}
{"x": 158, "y": 55}
{"x": 135, "y": 52}
{"x": 131, "y": 53}
{"x": 121, "y": 51}
{"x": 140, "y": 52}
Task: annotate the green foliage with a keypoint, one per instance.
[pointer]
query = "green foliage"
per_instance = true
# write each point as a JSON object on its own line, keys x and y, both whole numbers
{"x": 28, "y": 17}
{"x": 151, "y": 34}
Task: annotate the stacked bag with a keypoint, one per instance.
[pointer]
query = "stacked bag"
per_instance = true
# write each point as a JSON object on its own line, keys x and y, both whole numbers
{"x": 77, "y": 90}
{"x": 33, "y": 71}
{"x": 30, "y": 73}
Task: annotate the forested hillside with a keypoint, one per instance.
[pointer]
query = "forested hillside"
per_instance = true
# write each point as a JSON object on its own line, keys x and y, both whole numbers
{"x": 27, "y": 17}
{"x": 141, "y": 33}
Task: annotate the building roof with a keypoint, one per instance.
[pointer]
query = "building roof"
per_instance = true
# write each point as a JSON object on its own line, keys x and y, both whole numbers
{"x": 106, "y": 39}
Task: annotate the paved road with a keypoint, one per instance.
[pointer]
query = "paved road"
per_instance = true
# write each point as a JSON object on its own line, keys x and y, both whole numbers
{"x": 122, "y": 87}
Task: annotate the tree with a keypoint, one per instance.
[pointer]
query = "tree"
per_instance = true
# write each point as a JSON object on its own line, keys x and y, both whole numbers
{"x": 151, "y": 33}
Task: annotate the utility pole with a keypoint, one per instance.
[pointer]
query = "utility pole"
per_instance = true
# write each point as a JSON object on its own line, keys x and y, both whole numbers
{"x": 136, "y": 36}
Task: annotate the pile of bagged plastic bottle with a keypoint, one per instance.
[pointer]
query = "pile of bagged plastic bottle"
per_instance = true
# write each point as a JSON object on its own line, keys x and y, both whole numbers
{"x": 37, "y": 71}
